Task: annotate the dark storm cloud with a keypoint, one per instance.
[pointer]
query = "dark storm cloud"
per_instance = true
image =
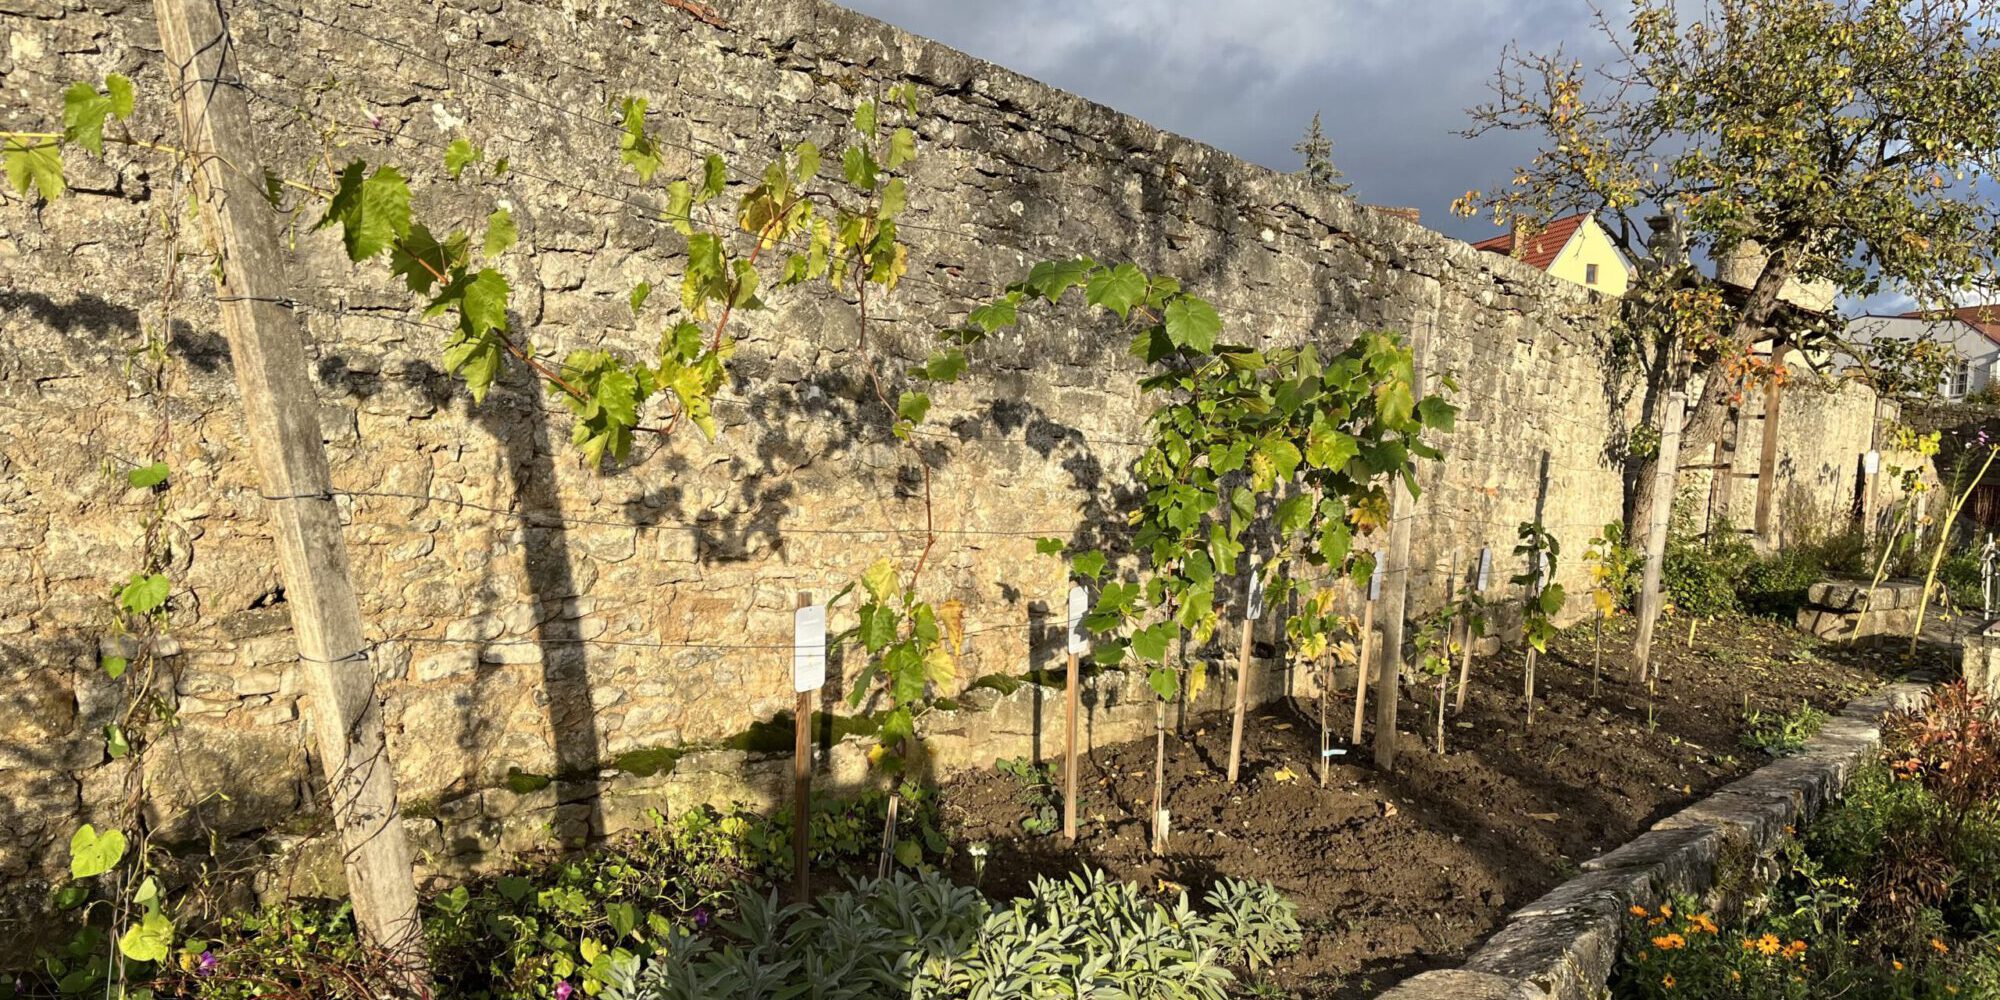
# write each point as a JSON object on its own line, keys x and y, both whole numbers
{"x": 1391, "y": 79}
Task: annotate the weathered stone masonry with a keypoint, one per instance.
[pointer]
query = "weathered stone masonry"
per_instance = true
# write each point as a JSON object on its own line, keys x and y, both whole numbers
{"x": 553, "y": 612}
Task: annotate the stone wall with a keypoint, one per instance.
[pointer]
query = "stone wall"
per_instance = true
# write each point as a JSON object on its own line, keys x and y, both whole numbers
{"x": 546, "y": 618}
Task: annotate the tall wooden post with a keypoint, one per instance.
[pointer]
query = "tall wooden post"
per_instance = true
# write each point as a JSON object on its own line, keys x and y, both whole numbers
{"x": 808, "y": 675}
{"x": 1253, "y": 610}
{"x": 1767, "y": 463}
{"x": 1656, "y": 530}
{"x": 1079, "y": 605}
{"x": 1396, "y": 580}
{"x": 281, "y": 414}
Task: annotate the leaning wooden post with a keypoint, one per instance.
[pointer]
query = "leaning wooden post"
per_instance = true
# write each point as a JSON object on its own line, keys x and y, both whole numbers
{"x": 281, "y": 417}
{"x": 808, "y": 676}
{"x": 1366, "y": 658}
{"x": 1479, "y": 584}
{"x": 1253, "y": 610}
{"x": 1079, "y": 606}
{"x": 1656, "y": 530}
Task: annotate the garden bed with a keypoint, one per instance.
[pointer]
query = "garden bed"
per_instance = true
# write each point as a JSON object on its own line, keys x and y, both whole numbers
{"x": 1394, "y": 874}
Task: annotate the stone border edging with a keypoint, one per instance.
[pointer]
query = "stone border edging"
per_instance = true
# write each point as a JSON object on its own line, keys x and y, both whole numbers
{"x": 1564, "y": 945}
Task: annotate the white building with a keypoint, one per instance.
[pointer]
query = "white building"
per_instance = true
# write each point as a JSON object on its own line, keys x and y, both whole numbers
{"x": 1971, "y": 332}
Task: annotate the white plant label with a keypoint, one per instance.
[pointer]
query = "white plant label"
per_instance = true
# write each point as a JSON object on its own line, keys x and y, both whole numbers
{"x": 1871, "y": 462}
{"x": 1485, "y": 578}
{"x": 809, "y": 648}
{"x": 1375, "y": 580}
{"x": 1256, "y": 609}
{"x": 1079, "y": 606}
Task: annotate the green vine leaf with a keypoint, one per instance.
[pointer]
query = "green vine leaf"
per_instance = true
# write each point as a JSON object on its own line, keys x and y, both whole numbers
{"x": 635, "y": 148}
{"x": 35, "y": 164}
{"x": 144, "y": 593}
{"x": 147, "y": 476}
{"x": 119, "y": 90}
{"x": 148, "y": 940}
{"x": 880, "y": 580}
{"x": 114, "y": 666}
{"x": 92, "y": 854}
{"x": 1089, "y": 565}
{"x": 1117, "y": 289}
{"x": 372, "y": 211}
{"x": 1048, "y": 546}
{"x": 902, "y": 148}
{"x": 864, "y": 118}
{"x": 858, "y": 166}
{"x": 115, "y": 743}
{"x": 500, "y": 232}
{"x": 1193, "y": 324}
{"x": 639, "y": 293}
{"x": 459, "y": 155}
{"x": 714, "y": 176}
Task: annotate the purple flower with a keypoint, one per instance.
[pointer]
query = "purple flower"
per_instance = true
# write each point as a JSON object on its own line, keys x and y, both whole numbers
{"x": 700, "y": 918}
{"x": 375, "y": 120}
{"x": 564, "y": 989}
{"x": 207, "y": 964}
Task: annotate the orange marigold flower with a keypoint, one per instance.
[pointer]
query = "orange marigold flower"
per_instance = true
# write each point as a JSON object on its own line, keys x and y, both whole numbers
{"x": 1700, "y": 922}
{"x": 1939, "y": 946}
{"x": 1769, "y": 944}
{"x": 1795, "y": 949}
{"x": 1897, "y": 964}
{"x": 1666, "y": 910}
{"x": 1669, "y": 942}
{"x": 1640, "y": 911}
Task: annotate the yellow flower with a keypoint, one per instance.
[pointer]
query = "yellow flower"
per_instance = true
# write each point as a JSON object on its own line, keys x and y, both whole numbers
{"x": 1640, "y": 911}
{"x": 1940, "y": 947}
{"x": 1668, "y": 982}
{"x": 1666, "y": 910}
{"x": 1795, "y": 949}
{"x": 1768, "y": 944}
{"x": 1701, "y": 923}
{"x": 1669, "y": 942}
{"x": 1897, "y": 964}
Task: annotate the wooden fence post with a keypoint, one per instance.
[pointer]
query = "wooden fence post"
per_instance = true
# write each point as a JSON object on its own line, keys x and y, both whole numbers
{"x": 281, "y": 414}
{"x": 1664, "y": 476}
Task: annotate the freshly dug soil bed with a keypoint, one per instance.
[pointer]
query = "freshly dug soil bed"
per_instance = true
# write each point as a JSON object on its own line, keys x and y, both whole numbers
{"x": 1397, "y": 873}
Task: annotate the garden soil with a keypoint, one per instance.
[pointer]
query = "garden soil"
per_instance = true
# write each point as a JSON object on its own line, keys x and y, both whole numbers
{"x": 1397, "y": 873}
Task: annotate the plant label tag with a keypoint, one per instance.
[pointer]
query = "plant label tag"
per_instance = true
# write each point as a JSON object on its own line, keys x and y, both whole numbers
{"x": 1375, "y": 580}
{"x": 1256, "y": 609}
{"x": 1079, "y": 606}
{"x": 1485, "y": 577}
{"x": 1871, "y": 462}
{"x": 809, "y": 648}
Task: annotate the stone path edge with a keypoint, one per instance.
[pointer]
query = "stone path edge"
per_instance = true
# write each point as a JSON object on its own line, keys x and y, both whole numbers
{"x": 1564, "y": 945}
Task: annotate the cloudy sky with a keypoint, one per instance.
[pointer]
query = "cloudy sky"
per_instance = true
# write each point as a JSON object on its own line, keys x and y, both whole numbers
{"x": 1391, "y": 78}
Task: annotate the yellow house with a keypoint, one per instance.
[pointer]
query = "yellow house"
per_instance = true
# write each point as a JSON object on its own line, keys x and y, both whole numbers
{"x": 1573, "y": 248}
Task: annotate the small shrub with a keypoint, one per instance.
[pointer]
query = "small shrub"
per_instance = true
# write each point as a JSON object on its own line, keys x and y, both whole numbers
{"x": 1782, "y": 733}
{"x": 1087, "y": 935}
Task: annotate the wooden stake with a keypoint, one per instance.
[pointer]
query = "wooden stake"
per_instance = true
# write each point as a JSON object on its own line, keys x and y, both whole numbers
{"x": 1656, "y": 532}
{"x": 889, "y": 837}
{"x": 1073, "y": 699}
{"x": 802, "y": 786}
{"x": 1596, "y": 653}
{"x": 1243, "y": 651}
{"x": 281, "y": 417}
{"x": 1325, "y": 737}
{"x": 1159, "y": 777}
{"x": 1362, "y": 663}
{"x": 1528, "y": 685}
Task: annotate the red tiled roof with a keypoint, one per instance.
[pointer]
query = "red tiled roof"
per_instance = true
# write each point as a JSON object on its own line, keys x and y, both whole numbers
{"x": 1985, "y": 319}
{"x": 1541, "y": 249}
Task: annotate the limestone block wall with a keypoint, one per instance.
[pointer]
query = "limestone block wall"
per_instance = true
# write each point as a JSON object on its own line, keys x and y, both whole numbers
{"x": 540, "y": 617}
